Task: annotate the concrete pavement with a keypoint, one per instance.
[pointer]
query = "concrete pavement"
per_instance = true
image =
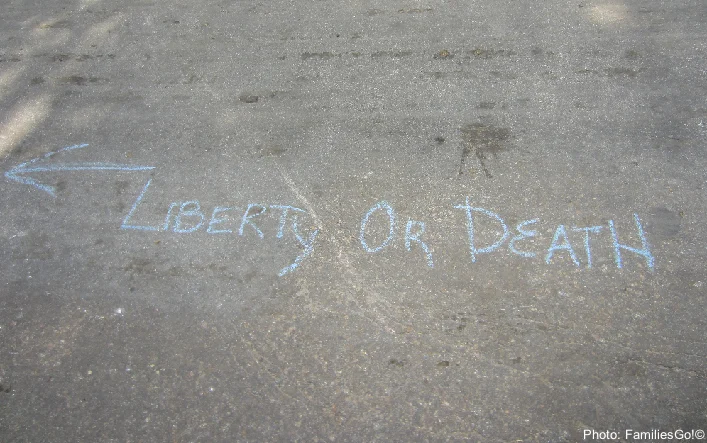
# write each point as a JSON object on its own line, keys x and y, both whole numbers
{"x": 352, "y": 221}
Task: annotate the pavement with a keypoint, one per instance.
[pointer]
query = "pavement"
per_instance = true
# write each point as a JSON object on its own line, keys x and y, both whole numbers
{"x": 311, "y": 220}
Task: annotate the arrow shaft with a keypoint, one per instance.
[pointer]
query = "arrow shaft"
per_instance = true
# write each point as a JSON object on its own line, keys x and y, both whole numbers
{"x": 33, "y": 166}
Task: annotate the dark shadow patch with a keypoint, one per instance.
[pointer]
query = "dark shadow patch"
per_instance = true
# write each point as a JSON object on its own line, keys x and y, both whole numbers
{"x": 248, "y": 98}
{"x": 485, "y": 142}
{"x": 663, "y": 222}
{"x": 60, "y": 186}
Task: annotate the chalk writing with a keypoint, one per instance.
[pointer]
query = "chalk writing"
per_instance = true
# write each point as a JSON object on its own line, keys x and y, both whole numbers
{"x": 565, "y": 245}
{"x": 308, "y": 248}
{"x": 644, "y": 251}
{"x": 560, "y": 242}
{"x": 187, "y": 217}
{"x": 190, "y": 218}
{"x": 126, "y": 220}
{"x": 415, "y": 237}
{"x": 587, "y": 230}
{"x": 559, "y": 247}
{"x": 183, "y": 227}
{"x": 470, "y": 229}
{"x": 391, "y": 222}
{"x": 283, "y": 217}
{"x": 215, "y": 220}
{"x": 18, "y": 172}
{"x": 523, "y": 233}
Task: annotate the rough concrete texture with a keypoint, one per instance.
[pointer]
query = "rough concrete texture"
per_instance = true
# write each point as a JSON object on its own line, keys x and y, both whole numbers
{"x": 497, "y": 225}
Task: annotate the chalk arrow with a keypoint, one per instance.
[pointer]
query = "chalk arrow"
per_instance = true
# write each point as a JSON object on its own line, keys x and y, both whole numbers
{"x": 18, "y": 173}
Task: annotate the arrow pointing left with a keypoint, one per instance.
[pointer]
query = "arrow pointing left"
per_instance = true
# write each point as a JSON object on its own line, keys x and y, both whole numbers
{"x": 18, "y": 173}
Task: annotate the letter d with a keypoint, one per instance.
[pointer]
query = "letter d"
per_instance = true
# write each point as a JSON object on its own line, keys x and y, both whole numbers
{"x": 470, "y": 229}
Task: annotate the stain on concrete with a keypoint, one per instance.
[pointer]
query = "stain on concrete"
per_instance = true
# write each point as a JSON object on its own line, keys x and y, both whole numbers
{"x": 485, "y": 142}
{"x": 396, "y": 363}
{"x": 663, "y": 222}
{"x": 248, "y": 98}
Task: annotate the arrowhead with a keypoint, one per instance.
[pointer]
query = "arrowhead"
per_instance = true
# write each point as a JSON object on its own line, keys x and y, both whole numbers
{"x": 18, "y": 173}
{"x": 12, "y": 175}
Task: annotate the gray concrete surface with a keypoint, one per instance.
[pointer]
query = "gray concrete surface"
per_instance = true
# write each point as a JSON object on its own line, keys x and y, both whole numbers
{"x": 155, "y": 287}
